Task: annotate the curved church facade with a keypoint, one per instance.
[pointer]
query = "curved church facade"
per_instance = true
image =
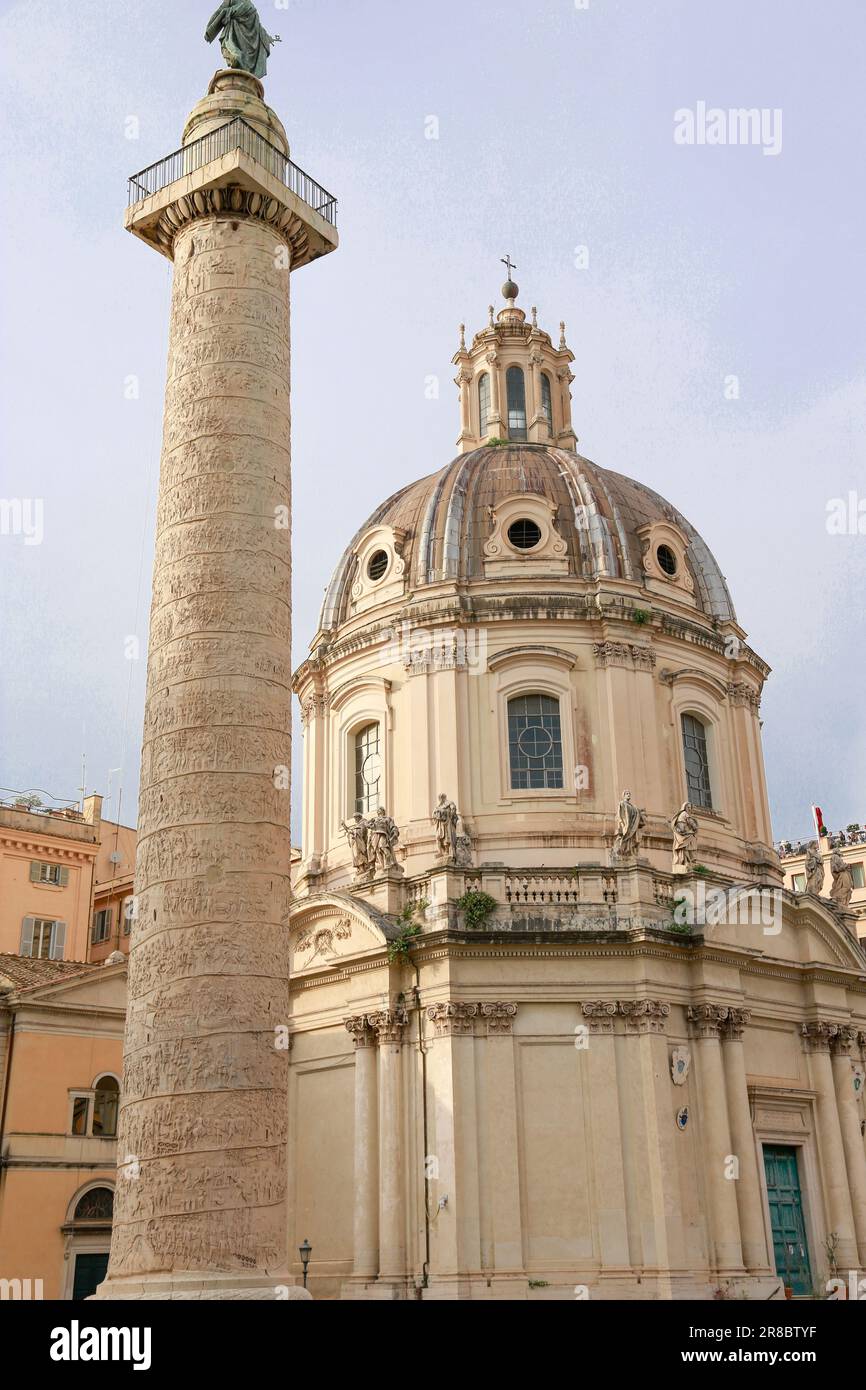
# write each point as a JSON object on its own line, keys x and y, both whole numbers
{"x": 557, "y": 1028}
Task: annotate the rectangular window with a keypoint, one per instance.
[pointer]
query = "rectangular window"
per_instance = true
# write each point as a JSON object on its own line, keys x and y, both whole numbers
{"x": 368, "y": 769}
{"x": 858, "y": 876}
{"x": 798, "y": 883}
{"x": 49, "y": 873}
{"x": 42, "y": 934}
{"x": 128, "y": 913}
{"x": 80, "y": 1107}
{"x": 101, "y": 925}
{"x": 697, "y": 763}
{"x": 534, "y": 743}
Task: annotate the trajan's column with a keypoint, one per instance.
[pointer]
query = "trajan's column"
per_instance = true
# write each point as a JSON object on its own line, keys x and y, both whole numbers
{"x": 200, "y": 1208}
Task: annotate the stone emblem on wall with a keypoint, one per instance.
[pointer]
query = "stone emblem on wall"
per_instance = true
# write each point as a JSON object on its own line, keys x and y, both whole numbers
{"x": 681, "y": 1061}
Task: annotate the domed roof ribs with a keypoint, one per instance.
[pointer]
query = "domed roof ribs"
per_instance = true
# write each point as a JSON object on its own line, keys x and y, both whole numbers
{"x": 454, "y": 520}
{"x": 602, "y": 553}
{"x": 424, "y": 568}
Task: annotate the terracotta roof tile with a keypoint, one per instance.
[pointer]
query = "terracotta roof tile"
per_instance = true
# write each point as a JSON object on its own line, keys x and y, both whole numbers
{"x": 23, "y": 972}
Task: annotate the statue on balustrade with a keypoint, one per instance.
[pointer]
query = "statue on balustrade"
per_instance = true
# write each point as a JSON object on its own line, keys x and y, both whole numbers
{"x": 382, "y": 836}
{"x": 685, "y": 829}
{"x": 814, "y": 869}
{"x": 356, "y": 834}
{"x": 445, "y": 820}
{"x": 843, "y": 880}
{"x": 630, "y": 822}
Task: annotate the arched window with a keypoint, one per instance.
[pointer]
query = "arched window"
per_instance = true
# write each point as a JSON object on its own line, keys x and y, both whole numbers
{"x": 483, "y": 403}
{"x": 105, "y": 1101}
{"x": 697, "y": 762}
{"x": 95, "y": 1205}
{"x": 516, "y": 392}
{"x": 368, "y": 769}
{"x": 534, "y": 742}
{"x": 547, "y": 400}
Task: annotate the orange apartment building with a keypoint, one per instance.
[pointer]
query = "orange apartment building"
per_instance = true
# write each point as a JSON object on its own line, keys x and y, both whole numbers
{"x": 65, "y": 894}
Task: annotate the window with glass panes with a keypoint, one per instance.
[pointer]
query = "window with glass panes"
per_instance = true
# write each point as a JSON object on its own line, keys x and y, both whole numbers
{"x": 546, "y": 400}
{"x": 515, "y": 387}
{"x": 697, "y": 762}
{"x": 483, "y": 403}
{"x": 368, "y": 769}
{"x": 534, "y": 742}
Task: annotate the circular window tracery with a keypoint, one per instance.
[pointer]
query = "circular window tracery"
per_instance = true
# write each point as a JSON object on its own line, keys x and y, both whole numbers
{"x": 524, "y": 534}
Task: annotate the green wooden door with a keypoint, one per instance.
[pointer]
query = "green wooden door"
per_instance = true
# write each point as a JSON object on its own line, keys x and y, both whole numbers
{"x": 786, "y": 1215}
{"x": 90, "y": 1270}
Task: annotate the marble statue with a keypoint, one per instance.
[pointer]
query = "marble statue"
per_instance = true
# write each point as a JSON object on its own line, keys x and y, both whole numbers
{"x": 243, "y": 38}
{"x": 630, "y": 822}
{"x": 685, "y": 829}
{"x": 356, "y": 834}
{"x": 814, "y": 869}
{"x": 445, "y": 818}
{"x": 843, "y": 880}
{"x": 382, "y": 836}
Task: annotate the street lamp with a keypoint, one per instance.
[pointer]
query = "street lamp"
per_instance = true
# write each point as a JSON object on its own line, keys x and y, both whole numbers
{"x": 305, "y": 1251}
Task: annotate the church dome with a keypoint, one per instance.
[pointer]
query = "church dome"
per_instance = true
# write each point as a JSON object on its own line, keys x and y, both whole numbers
{"x": 606, "y": 526}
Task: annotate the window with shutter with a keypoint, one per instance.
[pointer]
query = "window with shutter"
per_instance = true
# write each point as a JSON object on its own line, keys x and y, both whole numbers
{"x": 26, "y": 947}
{"x": 64, "y": 877}
{"x": 58, "y": 940}
{"x": 35, "y": 871}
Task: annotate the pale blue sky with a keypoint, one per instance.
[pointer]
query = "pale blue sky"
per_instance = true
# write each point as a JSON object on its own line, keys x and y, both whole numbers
{"x": 555, "y": 131}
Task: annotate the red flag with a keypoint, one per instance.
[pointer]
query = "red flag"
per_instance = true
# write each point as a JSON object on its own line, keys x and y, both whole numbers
{"x": 818, "y": 818}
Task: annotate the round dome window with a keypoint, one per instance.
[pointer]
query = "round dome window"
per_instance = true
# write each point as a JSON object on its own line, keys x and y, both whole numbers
{"x": 667, "y": 560}
{"x": 524, "y": 534}
{"x": 378, "y": 565}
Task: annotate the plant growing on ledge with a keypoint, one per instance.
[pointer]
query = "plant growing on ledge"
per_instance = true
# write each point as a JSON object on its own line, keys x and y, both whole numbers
{"x": 701, "y": 869}
{"x": 494, "y": 442}
{"x": 409, "y": 929}
{"x": 640, "y": 616}
{"x": 476, "y": 907}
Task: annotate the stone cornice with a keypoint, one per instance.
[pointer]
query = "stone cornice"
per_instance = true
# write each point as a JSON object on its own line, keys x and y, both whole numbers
{"x": 233, "y": 200}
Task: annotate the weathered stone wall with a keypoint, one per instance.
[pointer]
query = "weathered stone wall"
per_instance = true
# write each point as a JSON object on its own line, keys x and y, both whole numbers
{"x": 203, "y": 1121}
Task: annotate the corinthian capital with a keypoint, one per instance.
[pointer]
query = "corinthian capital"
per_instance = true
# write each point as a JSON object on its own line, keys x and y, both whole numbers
{"x": 499, "y": 1016}
{"x": 389, "y": 1024}
{"x": 361, "y": 1033}
{"x": 644, "y": 1015}
{"x": 708, "y": 1020}
{"x": 452, "y": 1019}
{"x": 819, "y": 1033}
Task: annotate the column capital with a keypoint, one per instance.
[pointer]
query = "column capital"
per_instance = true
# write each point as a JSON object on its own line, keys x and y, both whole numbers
{"x": 845, "y": 1040}
{"x": 389, "y": 1024}
{"x": 644, "y": 1015}
{"x": 600, "y": 1014}
{"x": 358, "y": 1026}
{"x": 499, "y": 1016}
{"x": 452, "y": 1019}
{"x": 819, "y": 1034}
{"x": 708, "y": 1020}
{"x": 736, "y": 1023}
